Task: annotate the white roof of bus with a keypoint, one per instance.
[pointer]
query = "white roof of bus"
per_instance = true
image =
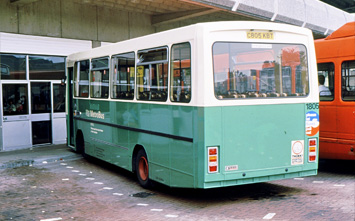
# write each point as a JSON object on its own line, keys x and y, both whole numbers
{"x": 182, "y": 34}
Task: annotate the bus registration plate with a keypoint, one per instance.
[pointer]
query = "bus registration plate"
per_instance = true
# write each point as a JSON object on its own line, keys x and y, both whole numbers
{"x": 260, "y": 35}
{"x": 231, "y": 168}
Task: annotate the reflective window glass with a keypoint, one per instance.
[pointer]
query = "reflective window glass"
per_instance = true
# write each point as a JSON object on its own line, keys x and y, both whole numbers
{"x": 13, "y": 67}
{"x": 81, "y": 78}
{"x": 40, "y": 97}
{"x": 180, "y": 73}
{"x": 58, "y": 98}
{"x": 348, "y": 81}
{"x": 152, "y": 74}
{"x": 250, "y": 70}
{"x": 15, "y": 99}
{"x": 46, "y": 68}
{"x": 123, "y": 76}
{"x": 326, "y": 81}
{"x": 99, "y": 80}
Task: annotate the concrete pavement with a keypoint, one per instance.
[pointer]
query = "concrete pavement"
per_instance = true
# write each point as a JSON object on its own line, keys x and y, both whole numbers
{"x": 36, "y": 155}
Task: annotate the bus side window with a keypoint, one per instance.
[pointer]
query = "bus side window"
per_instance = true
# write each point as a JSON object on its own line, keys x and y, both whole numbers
{"x": 122, "y": 83}
{"x": 180, "y": 73}
{"x": 99, "y": 78}
{"x": 326, "y": 81}
{"x": 81, "y": 78}
{"x": 348, "y": 81}
{"x": 152, "y": 74}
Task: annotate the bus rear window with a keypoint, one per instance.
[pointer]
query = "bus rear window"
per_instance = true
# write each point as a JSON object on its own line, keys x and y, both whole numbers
{"x": 249, "y": 70}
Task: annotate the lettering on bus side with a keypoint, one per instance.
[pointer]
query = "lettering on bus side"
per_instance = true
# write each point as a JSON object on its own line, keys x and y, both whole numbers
{"x": 91, "y": 113}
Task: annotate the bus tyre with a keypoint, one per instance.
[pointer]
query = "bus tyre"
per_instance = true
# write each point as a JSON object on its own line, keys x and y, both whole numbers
{"x": 142, "y": 169}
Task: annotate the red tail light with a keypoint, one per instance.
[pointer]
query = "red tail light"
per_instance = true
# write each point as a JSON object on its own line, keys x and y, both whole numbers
{"x": 312, "y": 149}
{"x": 212, "y": 159}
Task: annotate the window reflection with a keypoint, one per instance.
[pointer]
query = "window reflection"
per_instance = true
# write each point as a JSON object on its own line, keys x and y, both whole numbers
{"x": 46, "y": 68}
{"x": 247, "y": 70}
{"x": 81, "y": 78}
{"x": 326, "y": 81}
{"x": 123, "y": 76}
{"x": 181, "y": 73}
{"x": 99, "y": 78}
{"x": 152, "y": 74}
{"x": 40, "y": 97}
{"x": 58, "y": 98}
{"x": 13, "y": 67}
{"x": 348, "y": 81}
{"x": 15, "y": 100}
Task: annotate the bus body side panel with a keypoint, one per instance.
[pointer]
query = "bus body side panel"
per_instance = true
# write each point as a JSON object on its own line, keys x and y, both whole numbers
{"x": 255, "y": 143}
{"x": 337, "y": 117}
{"x": 112, "y": 130}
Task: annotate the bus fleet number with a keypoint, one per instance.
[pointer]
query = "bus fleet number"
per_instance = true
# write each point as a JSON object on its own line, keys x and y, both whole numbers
{"x": 312, "y": 106}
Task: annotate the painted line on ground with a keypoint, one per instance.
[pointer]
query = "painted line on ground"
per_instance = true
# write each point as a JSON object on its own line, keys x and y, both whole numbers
{"x": 107, "y": 188}
{"x": 269, "y": 216}
{"x": 318, "y": 182}
{"x": 171, "y": 216}
{"x": 52, "y": 219}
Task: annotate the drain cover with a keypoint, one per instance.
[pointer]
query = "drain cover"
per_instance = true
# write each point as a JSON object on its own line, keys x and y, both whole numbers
{"x": 142, "y": 194}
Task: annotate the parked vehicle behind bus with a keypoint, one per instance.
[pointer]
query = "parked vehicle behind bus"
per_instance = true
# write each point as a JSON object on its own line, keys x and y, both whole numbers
{"x": 207, "y": 105}
{"x": 336, "y": 71}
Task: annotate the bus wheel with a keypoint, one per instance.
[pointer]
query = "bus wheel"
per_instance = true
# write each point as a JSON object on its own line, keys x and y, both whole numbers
{"x": 142, "y": 169}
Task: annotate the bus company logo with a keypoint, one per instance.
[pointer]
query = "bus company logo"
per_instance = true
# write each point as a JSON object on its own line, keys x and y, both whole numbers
{"x": 297, "y": 152}
{"x": 91, "y": 113}
{"x": 312, "y": 123}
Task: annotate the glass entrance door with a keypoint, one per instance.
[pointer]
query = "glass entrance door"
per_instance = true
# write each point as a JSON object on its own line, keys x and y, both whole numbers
{"x": 41, "y": 113}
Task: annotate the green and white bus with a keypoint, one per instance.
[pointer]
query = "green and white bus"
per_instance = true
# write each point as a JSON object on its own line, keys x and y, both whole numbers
{"x": 208, "y": 105}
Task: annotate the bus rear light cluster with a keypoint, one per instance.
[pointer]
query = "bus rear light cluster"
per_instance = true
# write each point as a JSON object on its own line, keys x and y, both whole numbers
{"x": 312, "y": 150}
{"x": 212, "y": 159}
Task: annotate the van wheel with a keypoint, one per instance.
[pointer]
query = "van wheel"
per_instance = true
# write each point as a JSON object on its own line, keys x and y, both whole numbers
{"x": 142, "y": 169}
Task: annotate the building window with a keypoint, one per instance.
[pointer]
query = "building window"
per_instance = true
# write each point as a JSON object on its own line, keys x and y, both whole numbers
{"x": 99, "y": 79}
{"x": 180, "y": 83}
{"x": 348, "y": 81}
{"x": 13, "y": 67}
{"x": 326, "y": 81}
{"x": 46, "y": 67}
{"x": 58, "y": 98}
{"x": 123, "y": 76}
{"x": 152, "y": 74}
{"x": 81, "y": 78}
{"x": 40, "y": 97}
{"x": 14, "y": 97}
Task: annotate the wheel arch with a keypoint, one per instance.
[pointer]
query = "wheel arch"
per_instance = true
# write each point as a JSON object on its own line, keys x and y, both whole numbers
{"x": 79, "y": 142}
{"x": 136, "y": 149}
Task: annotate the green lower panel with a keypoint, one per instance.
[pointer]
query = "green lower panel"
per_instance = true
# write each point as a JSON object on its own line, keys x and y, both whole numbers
{"x": 242, "y": 181}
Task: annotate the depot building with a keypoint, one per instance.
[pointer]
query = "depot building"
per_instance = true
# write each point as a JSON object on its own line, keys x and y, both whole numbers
{"x": 37, "y": 35}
